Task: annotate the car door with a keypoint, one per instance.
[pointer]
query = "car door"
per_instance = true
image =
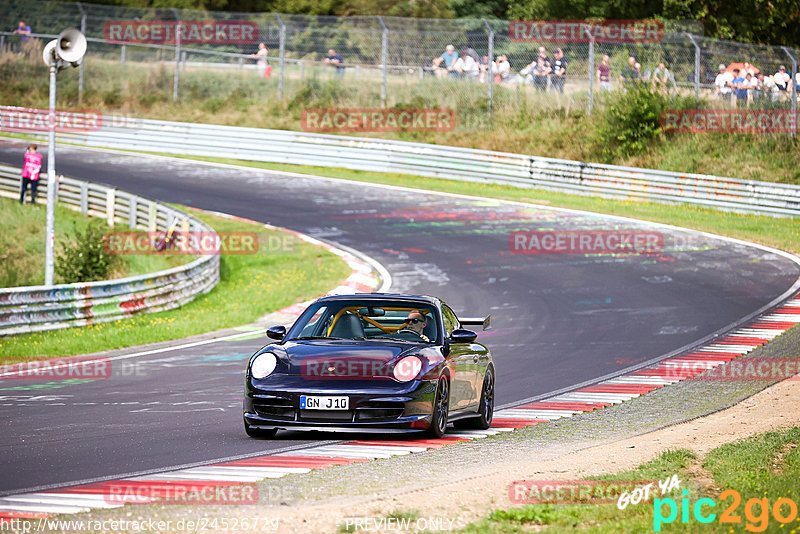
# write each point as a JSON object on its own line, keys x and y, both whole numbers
{"x": 462, "y": 382}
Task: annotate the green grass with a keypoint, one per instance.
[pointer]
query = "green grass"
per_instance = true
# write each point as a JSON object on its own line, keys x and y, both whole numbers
{"x": 782, "y": 233}
{"x": 250, "y": 286}
{"x": 764, "y": 466}
{"x": 22, "y": 244}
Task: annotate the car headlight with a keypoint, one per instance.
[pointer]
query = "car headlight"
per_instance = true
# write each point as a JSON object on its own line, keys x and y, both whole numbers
{"x": 407, "y": 368}
{"x": 263, "y": 365}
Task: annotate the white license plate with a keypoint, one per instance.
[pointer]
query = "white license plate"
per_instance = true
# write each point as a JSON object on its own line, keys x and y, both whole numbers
{"x": 324, "y": 403}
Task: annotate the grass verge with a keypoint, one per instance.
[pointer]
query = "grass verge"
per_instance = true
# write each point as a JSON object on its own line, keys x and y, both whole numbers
{"x": 22, "y": 244}
{"x": 744, "y": 479}
{"x": 250, "y": 286}
{"x": 781, "y": 233}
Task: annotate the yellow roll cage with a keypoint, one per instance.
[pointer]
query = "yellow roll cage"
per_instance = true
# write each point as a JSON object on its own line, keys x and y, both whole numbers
{"x": 386, "y": 328}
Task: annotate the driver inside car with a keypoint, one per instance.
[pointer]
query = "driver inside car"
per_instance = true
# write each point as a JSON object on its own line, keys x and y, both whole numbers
{"x": 416, "y": 322}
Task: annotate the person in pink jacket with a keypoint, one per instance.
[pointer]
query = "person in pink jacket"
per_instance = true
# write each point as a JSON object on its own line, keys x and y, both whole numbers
{"x": 30, "y": 173}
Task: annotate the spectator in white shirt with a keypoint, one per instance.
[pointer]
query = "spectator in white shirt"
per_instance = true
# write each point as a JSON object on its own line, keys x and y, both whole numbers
{"x": 782, "y": 78}
{"x": 501, "y": 67}
{"x": 466, "y": 66}
{"x": 722, "y": 83}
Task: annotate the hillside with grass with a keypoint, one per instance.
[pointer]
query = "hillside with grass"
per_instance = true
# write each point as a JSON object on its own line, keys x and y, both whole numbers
{"x": 623, "y": 130}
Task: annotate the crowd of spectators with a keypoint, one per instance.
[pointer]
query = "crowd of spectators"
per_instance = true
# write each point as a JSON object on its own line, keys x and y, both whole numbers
{"x": 743, "y": 84}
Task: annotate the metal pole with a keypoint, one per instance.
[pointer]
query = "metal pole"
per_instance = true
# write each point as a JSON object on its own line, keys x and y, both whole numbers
{"x": 489, "y": 74}
{"x": 282, "y": 54}
{"x": 696, "y": 70}
{"x": 177, "y": 77}
{"x": 794, "y": 89}
{"x": 83, "y": 61}
{"x": 590, "y": 103}
{"x": 384, "y": 58}
{"x": 50, "y": 223}
{"x": 122, "y": 56}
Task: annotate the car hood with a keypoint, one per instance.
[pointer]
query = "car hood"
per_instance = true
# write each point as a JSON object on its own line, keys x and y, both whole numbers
{"x": 320, "y": 359}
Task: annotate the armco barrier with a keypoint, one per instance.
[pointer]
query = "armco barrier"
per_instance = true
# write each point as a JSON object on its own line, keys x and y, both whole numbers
{"x": 37, "y": 308}
{"x": 377, "y": 155}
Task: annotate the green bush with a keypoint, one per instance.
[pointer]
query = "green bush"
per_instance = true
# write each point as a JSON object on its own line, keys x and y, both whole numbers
{"x": 631, "y": 122}
{"x": 83, "y": 258}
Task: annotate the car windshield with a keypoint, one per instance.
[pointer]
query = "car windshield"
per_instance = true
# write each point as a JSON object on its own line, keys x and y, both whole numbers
{"x": 367, "y": 319}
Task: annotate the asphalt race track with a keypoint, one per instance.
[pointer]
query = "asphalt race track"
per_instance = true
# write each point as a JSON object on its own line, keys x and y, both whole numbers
{"x": 558, "y": 319}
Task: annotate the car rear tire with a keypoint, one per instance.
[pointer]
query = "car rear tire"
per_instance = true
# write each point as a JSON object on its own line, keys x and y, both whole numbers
{"x": 263, "y": 433}
{"x": 441, "y": 406}
{"x": 486, "y": 410}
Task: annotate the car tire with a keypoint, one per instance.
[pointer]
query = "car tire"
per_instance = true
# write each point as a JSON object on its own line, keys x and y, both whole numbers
{"x": 441, "y": 407}
{"x": 486, "y": 411}
{"x": 263, "y": 433}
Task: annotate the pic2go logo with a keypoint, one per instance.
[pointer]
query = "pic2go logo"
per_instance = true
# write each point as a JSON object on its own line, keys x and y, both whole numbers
{"x": 756, "y": 511}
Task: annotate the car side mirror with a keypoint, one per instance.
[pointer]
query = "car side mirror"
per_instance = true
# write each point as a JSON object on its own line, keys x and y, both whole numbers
{"x": 276, "y": 332}
{"x": 462, "y": 336}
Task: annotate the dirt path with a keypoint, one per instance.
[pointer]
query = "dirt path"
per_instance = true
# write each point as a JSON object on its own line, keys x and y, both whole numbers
{"x": 460, "y": 498}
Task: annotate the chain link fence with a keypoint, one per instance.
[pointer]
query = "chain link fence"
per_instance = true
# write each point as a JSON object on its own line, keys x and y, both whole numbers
{"x": 391, "y": 62}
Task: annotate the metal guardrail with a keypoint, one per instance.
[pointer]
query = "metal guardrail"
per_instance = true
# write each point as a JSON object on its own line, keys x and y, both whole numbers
{"x": 38, "y": 308}
{"x": 454, "y": 163}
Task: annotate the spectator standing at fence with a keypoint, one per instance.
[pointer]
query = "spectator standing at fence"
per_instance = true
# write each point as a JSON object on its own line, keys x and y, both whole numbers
{"x": 335, "y": 60}
{"x": 264, "y": 70}
{"x": 501, "y": 69}
{"x": 484, "y": 67}
{"x": 769, "y": 87}
{"x": 23, "y": 30}
{"x": 750, "y": 84}
{"x": 737, "y": 85}
{"x": 559, "y": 70}
{"x": 31, "y": 167}
{"x": 448, "y": 58}
{"x": 782, "y": 78}
{"x": 722, "y": 83}
{"x": 466, "y": 66}
{"x": 540, "y": 71}
{"x": 660, "y": 77}
{"x": 630, "y": 75}
{"x": 604, "y": 73}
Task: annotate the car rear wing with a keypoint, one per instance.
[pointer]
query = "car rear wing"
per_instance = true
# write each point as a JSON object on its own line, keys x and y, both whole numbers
{"x": 475, "y": 321}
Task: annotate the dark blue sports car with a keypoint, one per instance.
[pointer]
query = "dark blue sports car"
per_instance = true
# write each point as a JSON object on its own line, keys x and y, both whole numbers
{"x": 373, "y": 363}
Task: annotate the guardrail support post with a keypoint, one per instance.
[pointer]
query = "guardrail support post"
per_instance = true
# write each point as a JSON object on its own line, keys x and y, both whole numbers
{"x": 132, "y": 208}
{"x": 384, "y": 58}
{"x": 84, "y": 198}
{"x": 122, "y": 55}
{"x": 151, "y": 219}
{"x": 177, "y": 76}
{"x": 794, "y": 89}
{"x": 110, "y": 200}
{"x": 489, "y": 75}
{"x": 282, "y": 55}
{"x": 696, "y": 70}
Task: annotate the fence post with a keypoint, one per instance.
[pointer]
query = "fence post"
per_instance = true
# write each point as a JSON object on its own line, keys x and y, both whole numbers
{"x": 177, "y": 77}
{"x": 2, "y": 44}
{"x": 132, "y": 212}
{"x": 794, "y": 89}
{"x": 696, "y": 70}
{"x": 111, "y": 200}
{"x": 83, "y": 61}
{"x": 282, "y": 53}
{"x": 84, "y": 198}
{"x": 384, "y": 58}
{"x": 590, "y": 102}
{"x": 489, "y": 74}
{"x": 122, "y": 55}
